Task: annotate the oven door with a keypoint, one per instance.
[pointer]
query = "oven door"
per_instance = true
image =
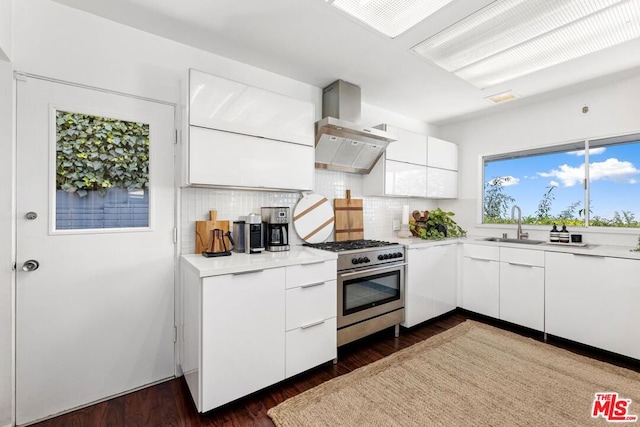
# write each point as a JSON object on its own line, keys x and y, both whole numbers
{"x": 363, "y": 294}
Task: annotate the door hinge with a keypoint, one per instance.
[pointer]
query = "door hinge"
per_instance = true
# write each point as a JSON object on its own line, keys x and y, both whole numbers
{"x": 175, "y": 235}
{"x": 175, "y": 334}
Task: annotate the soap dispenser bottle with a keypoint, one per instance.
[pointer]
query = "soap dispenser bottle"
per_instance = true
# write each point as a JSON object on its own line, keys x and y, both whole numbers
{"x": 564, "y": 234}
{"x": 554, "y": 235}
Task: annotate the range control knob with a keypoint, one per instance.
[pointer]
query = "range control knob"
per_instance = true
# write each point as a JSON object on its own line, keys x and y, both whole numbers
{"x": 385, "y": 256}
{"x": 354, "y": 261}
{"x": 399, "y": 255}
{"x": 366, "y": 259}
{"x": 380, "y": 257}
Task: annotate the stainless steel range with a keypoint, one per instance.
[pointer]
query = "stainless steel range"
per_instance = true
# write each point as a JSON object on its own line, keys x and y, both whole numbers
{"x": 370, "y": 286}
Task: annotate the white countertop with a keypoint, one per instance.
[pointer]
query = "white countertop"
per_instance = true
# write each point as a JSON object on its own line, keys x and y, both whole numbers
{"x": 239, "y": 262}
{"x": 596, "y": 250}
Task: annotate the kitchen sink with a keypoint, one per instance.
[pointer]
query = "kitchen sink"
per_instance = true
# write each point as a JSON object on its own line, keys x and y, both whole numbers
{"x": 510, "y": 240}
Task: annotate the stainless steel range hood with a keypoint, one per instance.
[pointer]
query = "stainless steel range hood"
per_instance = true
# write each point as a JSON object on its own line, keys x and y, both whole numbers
{"x": 341, "y": 143}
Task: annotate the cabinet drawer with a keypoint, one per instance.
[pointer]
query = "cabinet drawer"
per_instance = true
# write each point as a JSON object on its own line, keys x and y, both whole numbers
{"x": 311, "y": 272}
{"x": 491, "y": 253}
{"x": 308, "y": 304}
{"x": 522, "y": 256}
{"x": 310, "y": 346}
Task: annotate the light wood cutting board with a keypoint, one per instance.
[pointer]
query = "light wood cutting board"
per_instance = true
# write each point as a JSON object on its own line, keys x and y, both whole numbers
{"x": 203, "y": 234}
{"x": 349, "y": 218}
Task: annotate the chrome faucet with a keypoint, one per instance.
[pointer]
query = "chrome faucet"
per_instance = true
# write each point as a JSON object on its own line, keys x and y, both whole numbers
{"x": 520, "y": 234}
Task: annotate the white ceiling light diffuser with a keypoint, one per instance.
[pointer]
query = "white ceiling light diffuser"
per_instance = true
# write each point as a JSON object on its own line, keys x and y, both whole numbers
{"x": 390, "y": 17}
{"x": 512, "y": 38}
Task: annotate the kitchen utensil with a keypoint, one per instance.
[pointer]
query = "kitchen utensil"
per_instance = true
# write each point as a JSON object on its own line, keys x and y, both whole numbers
{"x": 313, "y": 218}
{"x": 349, "y": 218}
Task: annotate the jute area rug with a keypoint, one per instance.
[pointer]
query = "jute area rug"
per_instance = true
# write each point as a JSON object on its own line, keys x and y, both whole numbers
{"x": 470, "y": 375}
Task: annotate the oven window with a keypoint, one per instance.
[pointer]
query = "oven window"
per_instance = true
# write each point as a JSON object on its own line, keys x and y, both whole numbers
{"x": 371, "y": 291}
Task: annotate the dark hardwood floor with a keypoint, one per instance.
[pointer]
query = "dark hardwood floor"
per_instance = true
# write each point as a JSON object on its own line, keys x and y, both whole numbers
{"x": 170, "y": 404}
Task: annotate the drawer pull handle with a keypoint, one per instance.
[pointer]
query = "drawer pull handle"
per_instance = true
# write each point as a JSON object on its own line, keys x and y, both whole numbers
{"x": 311, "y": 325}
{"x": 240, "y": 273}
{"x": 590, "y": 255}
{"x": 312, "y": 263}
{"x": 480, "y": 259}
{"x": 521, "y": 265}
{"x": 311, "y": 285}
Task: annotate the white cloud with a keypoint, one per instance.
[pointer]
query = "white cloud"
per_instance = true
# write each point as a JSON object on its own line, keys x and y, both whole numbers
{"x": 507, "y": 181}
{"x": 633, "y": 181}
{"x": 611, "y": 169}
{"x": 592, "y": 151}
{"x": 554, "y": 184}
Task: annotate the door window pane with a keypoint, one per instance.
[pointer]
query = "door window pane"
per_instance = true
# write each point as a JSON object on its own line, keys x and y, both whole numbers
{"x": 102, "y": 172}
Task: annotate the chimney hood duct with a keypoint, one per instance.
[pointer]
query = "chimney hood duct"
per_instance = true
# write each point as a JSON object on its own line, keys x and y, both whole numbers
{"x": 341, "y": 143}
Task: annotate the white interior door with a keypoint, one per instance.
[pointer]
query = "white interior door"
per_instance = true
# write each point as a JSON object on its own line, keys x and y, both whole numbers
{"x": 96, "y": 318}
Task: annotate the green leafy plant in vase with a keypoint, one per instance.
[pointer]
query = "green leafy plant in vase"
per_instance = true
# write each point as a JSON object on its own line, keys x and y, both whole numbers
{"x": 436, "y": 224}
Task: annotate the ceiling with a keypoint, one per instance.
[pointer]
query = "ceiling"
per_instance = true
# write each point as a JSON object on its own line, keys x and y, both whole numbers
{"x": 311, "y": 41}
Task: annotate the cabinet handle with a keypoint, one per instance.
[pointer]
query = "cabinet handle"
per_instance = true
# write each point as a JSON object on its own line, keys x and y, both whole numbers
{"x": 590, "y": 255}
{"x": 311, "y": 325}
{"x": 311, "y": 285}
{"x": 521, "y": 265}
{"x": 480, "y": 259}
{"x": 312, "y": 263}
{"x": 240, "y": 273}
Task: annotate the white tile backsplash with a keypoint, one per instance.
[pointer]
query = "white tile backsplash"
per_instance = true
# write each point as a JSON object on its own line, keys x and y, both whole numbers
{"x": 379, "y": 212}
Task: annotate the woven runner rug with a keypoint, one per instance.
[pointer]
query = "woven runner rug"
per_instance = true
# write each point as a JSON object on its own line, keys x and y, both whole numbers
{"x": 470, "y": 375}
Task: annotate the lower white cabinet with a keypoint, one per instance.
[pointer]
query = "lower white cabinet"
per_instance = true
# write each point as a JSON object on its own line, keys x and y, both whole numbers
{"x": 481, "y": 279}
{"x": 243, "y": 341}
{"x": 246, "y": 331}
{"x": 522, "y": 287}
{"x": 430, "y": 284}
{"x": 594, "y": 300}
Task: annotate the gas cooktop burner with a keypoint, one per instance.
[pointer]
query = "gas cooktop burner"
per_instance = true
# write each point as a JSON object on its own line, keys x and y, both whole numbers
{"x": 349, "y": 245}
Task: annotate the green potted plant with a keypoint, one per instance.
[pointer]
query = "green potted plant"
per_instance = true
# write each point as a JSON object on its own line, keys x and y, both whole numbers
{"x": 437, "y": 224}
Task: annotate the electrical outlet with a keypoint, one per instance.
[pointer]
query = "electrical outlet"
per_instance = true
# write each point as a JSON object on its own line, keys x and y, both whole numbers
{"x": 396, "y": 225}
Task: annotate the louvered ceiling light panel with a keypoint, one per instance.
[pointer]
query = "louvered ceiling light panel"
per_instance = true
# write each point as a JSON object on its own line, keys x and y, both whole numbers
{"x": 390, "y": 17}
{"x": 512, "y": 38}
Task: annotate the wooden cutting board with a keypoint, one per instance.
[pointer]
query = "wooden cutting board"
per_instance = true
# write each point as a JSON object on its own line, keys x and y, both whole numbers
{"x": 204, "y": 234}
{"x": 349, "y": 218}
{"x": 313, "y": 218}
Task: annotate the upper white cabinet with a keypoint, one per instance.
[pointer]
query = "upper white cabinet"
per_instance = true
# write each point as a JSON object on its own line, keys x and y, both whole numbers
{"x": 415, "y": 165}
{"x": 402, "y": 170}
{"x": 244, "y": 136}
{"x": 222, "y": 104}
{"x": 442, "y": 169}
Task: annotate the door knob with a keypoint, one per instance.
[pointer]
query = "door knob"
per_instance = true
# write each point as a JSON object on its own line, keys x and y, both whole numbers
{"x": 30, "y": 265}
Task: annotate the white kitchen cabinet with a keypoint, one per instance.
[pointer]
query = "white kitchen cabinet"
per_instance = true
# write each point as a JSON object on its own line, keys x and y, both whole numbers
{"x": 243, "y": 136}
{"x": 223, "y": 104}
{"x": 311, "y": 337}
{"x": 593, "y": 300}
{"x": 243, "y": 340}
{"x": 228, "y": 159}
{"x": 442, "y": 183}
{"x": 430, "y": 284}
{"x": 401, "y": 171}
{"x": 248, "y": 330}
{"x": 522, "y": 287}
{"x": 442, "y": 169}
{"x": 481, "y": 279}
{"x": 409, "y": 148}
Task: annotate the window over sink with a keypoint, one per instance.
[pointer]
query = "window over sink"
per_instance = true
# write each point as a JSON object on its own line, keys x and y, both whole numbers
{"x": 591, "y": 183}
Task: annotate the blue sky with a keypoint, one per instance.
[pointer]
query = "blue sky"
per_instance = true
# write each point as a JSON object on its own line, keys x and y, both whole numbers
{"x": 614, "y": 175}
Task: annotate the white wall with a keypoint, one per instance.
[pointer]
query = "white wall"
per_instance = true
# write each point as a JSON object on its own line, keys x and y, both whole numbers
{"x": 6, "y": 294}
{"x": 6, "y": 48}
{"x": 613, "y": 110}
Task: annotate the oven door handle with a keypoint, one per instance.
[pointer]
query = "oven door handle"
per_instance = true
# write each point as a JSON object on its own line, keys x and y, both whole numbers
{"x": 372, "y": 270}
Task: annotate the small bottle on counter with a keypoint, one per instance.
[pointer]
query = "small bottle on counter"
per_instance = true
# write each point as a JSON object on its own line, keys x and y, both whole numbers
{"x": 564, "y": 234}
{"x": 554, "y": 235}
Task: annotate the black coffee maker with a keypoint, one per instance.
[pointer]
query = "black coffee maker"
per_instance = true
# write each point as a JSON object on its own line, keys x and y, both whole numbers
{"x": 275, "y": 223}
